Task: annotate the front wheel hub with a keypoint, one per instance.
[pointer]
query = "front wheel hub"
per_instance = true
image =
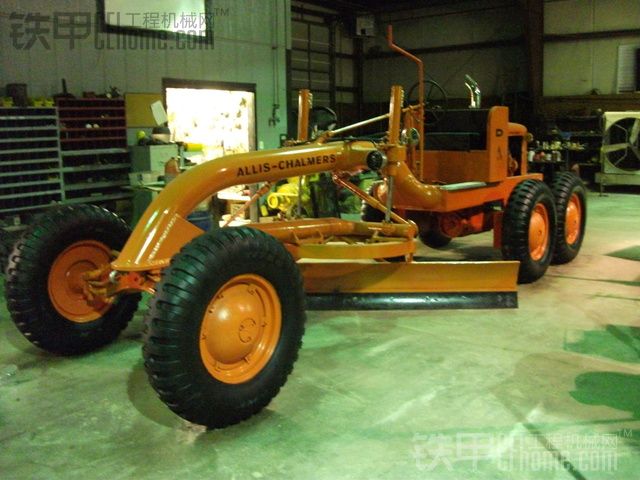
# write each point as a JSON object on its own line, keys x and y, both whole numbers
{"x": 66, "y": 285}
{"x": 240, "y": 328}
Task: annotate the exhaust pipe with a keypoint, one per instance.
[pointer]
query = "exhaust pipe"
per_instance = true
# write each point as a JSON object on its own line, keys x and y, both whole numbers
{"x": 474, "y": 92}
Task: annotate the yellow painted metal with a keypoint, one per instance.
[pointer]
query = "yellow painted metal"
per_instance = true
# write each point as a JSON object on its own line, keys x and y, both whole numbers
{"x": 321, "y": 229}
{"x": 305, "y": 102}
{"x": 519, "y": 130}
{"x": 66, "y": 286}
{"x": 418, "y": 160}
{"x": 395, "y": 114}
{"x": 284, "y": 197}
{"x": 159, "y": 235}
{"x": 497, "y": 144}
{"x": 408, "y": 190}
{"x": 355, "y": 251}
{"x": 367, "y": 198}
{"x": 163, "y": 230}
{"x": 488, "y": 165}
{"x": 240, "y": 329}
{"x": 435, "y": 277}
{"x": 326, "y": 135}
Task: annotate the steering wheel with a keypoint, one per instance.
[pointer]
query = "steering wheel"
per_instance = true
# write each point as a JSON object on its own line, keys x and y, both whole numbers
{"x": 321, "y": 119}
{"x": 435, "y": 101}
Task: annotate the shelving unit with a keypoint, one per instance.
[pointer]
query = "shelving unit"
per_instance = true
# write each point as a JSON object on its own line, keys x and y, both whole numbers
{"x": 577, "y": 139}
{"x": 30, "y": 175}
{"x": 93, "y": 141}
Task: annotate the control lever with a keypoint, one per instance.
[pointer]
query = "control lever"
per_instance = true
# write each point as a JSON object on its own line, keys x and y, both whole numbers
{"x": 474, "y": 92}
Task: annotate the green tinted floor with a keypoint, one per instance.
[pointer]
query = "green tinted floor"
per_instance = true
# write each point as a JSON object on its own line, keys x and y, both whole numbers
{"x": 550, "y": 390}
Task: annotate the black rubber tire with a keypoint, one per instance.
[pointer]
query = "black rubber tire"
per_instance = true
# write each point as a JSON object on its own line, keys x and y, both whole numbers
{"x": 172, "y": 326}
{"x": 434, "y": 239}
{"x": 432, "y": 236}
{"x": 563, "y": 186}
{"x": 27, "y": 274}
{"x": 515, "y": 228}
{"x": 367, "y": 212}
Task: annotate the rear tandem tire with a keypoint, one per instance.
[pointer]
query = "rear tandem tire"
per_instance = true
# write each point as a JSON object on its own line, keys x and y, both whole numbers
{"x": 571, "y": 206}
{"x": 224, "y": 329}
{"x": 528, "y": 229}
{"x": 434, "y": 238}
{"x": 43, "y": 289}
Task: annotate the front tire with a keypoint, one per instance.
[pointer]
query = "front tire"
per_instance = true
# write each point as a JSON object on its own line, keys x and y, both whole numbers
{"x": 44, "y": 280}
{"x": 225, "y": 326}
{"x": 571, "y": 206}
{"x": 528, "y": 229}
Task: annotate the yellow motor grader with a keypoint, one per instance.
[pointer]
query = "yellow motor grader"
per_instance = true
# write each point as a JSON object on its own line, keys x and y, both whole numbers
{"x": 226, "y": 316}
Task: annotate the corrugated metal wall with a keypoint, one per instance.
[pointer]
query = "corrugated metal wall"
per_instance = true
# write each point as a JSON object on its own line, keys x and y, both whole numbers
{"x": 251, "y": 37}
{"x": 498, "y": 70}
{"x": 578, "y": 67}
{"x": 323, "y": 59}
{"x": 570, "y": 67}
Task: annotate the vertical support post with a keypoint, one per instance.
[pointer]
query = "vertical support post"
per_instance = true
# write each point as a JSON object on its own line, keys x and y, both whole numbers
{"x": 305, "y": 100}
{"x": 419, "y": 64}
{"x": 389, "y": 205}
{"x": 299, "y": 206}
{"x": 395, "y": 114}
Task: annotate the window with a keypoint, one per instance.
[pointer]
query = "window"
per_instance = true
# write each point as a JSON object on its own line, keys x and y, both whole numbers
{"x": 220, "y": 117}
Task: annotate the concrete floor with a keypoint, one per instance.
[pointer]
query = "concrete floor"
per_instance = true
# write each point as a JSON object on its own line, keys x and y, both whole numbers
{"x": 550, "y": 390}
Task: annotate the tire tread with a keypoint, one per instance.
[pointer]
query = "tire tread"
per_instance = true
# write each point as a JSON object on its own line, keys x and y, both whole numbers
{"x": 563, "y": 186}
{"x": 28, "y": 303}
{"x": 197, "y": 398}
{"x": 515, "y": 228}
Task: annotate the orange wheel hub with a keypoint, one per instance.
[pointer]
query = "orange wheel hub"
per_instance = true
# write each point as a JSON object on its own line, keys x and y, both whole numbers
{"x": 240, "y": 328}
{"x": 66, "y": 285}
{"x": 538, "y": 232}
{"x": 573, "y": 219}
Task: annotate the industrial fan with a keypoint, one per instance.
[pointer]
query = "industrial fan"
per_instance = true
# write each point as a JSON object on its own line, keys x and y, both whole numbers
{"x": 620, "y": 152}
{"x": 620, "y": 149}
